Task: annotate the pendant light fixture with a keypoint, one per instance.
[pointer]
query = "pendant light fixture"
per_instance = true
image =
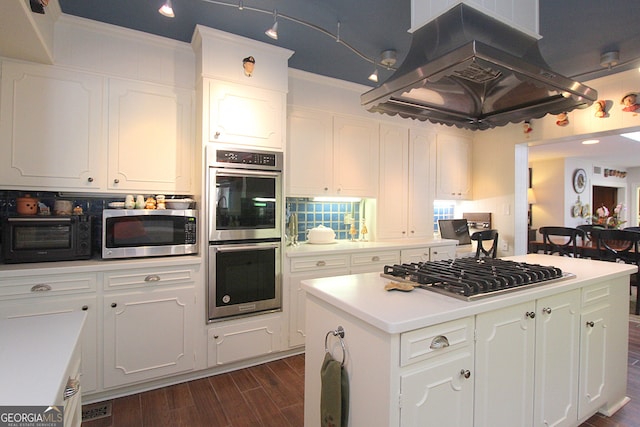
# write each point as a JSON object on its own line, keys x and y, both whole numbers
{"x": 167, "y": 9}
{"x": 273, "y": 31}
{"x": 374, "y": 76}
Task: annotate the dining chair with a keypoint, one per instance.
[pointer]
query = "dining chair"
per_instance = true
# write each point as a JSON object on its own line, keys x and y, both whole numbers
{"x": 621, "y": 246}
{"x": 631, "y": 228}
{"x": 561, "y": 240}
{"x": 488, "y": 236}
{"x": 587, "y": 231}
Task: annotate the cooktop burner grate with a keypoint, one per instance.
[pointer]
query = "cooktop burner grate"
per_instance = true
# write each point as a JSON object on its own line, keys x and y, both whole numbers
{"x": 471, "y": 279}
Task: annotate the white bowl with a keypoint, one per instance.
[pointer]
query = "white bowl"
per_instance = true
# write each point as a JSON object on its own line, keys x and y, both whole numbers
{"x": 178, "y": 203}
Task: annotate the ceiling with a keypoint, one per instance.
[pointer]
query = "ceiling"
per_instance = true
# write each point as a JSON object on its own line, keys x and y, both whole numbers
{"x": 574, "y": 32}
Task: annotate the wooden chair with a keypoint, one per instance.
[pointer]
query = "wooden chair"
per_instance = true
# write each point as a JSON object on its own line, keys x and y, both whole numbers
{"x": 561, "y": 240}
{"x": 621, "y": 246}
{"x": 486, "y": 236}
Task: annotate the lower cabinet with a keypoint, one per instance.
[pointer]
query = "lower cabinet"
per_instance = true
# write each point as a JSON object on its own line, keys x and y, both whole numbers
{"x": 243, "y": 339}
{"x": 147, "y": 334}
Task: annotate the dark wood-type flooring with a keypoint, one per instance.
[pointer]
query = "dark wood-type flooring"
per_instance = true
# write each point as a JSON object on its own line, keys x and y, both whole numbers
{"x": 272, "y": 395}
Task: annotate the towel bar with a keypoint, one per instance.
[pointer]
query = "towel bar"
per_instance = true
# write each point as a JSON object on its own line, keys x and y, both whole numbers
{"x": 339, "y": 332}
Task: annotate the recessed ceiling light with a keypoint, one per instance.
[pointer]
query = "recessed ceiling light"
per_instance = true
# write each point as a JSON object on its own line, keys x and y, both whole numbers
{"x": 632, "y": 135}
{"x": 590, "y": 141}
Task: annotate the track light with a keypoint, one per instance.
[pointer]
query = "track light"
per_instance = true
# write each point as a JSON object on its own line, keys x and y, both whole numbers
{"x": 273, "y": 31}
{"x": 166, "y": 9}
{"x": 374, "y": 76}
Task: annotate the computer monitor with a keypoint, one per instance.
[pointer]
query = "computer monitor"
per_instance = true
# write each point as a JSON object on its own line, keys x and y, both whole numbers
{"x": 456, "y": 229}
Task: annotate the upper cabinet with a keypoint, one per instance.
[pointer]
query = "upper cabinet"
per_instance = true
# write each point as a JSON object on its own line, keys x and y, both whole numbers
{"x": 453, "y": 167}
{"x": 51, "y": 128}
{"x": 405, "y": 201}
{"x": 150, "y": 137}
{"x": 244, "y": 115}
{"x": 242, "y": 89}
{"x": 331, "y": 155}
{"x": 62, "y": 130}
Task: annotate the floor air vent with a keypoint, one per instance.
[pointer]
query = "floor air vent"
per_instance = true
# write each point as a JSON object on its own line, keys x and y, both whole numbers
{"x": 96, "y": 410}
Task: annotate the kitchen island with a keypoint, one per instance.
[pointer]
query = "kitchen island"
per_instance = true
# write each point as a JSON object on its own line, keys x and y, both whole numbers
{"x": 549, "y": 355}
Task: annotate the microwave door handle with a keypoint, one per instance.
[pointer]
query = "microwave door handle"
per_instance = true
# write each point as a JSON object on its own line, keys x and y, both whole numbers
{"x": 247, "y": 247}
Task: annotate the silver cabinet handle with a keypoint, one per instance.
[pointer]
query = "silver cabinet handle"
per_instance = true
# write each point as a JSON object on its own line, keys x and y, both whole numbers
{"x": 530, "y": 314}
{"x": 321, "y": 264}
{"x": 71, "y": 389}
{"x": 546, "y": 310}
{"x": 465, "y": 373}
{"x": 216, "y": 135}
{"x": 152, "y": 278}
{"x": 90, "y": 179}
{"x": 116, "y": 181}
{"x": 40, "y": 288}
{"x": 590, "y": 324}
{"x": 375, "y": 258}
{"x": 439, "y": 342}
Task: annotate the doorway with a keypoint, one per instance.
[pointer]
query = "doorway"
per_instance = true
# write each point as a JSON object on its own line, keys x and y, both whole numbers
{"x": 604, "y": 196}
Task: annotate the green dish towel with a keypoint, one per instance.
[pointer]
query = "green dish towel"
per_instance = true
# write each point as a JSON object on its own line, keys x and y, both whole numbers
{"x": 334, "y": 395}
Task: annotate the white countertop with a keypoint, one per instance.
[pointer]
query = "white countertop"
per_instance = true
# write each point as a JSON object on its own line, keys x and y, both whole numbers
{"x": 35, "y": 352}
{"x": 363, "y": 295}
{"x": 346, "y": 246}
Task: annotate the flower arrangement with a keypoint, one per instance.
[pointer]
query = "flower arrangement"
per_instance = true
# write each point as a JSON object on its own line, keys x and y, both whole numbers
{"x": 605, "y": 219}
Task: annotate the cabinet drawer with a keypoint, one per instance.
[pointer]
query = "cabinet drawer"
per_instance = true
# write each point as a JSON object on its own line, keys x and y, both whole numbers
{"x": 148, "y": 277}
{"x": 367, "y": 258}
{"x": 414, "y": 255}
{"x": 596, "y": 294}
{"x": 432, "y": 341}
{"x": 39, "y": 286}
{"x": 319, "y": 263}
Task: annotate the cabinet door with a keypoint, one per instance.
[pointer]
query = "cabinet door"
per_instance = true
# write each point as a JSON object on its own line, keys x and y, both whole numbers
{"x": 24, "y": 307}
{"x": 309, "y": 153}
{"x": 355, "y": 157}
{"x": 420, "y": 198}
{"x": 505, "y": 341}
{"x": 414, "y": 255}
{"x": 148, "y": 334}
{"x": 150, "y": 137}
{"x": 244, "y": 115}
{"x": 438, "y": 393}
{"x": 453, "y": 169}
{"x": 393, "y": 193}
{"x": 51, "y": 128}
{"x": 557, "y": 360}
{"x": 594, "y": 344}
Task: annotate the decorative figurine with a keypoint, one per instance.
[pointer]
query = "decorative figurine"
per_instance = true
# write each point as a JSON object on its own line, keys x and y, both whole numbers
{"x": 526, "y": 127}
{"x": 601, "y": 108}
{"x": 248, "y": 64}
{"x": 352, "y": 231}
{"x": 629, "y": 102}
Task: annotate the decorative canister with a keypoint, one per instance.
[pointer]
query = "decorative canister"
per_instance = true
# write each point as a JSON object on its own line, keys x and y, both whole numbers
{"x": 27, "y": 205}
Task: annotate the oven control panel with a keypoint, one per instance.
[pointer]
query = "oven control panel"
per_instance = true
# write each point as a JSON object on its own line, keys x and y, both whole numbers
{"x": 247, "y": 158}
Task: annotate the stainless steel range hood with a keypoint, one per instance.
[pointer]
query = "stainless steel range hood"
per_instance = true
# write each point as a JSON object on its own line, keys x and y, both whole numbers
{"x": 470, "y": 70}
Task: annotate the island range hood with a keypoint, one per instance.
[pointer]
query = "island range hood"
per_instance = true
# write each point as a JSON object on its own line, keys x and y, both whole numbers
{"x": 467, "y": 69}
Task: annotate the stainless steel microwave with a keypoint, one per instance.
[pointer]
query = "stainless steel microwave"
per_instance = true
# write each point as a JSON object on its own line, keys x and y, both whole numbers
{"x": 133, "y": 233}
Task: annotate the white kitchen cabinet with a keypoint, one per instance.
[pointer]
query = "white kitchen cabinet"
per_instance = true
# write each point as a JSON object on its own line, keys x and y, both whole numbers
{"x": 304, "y": 268}
{"x": 330, "y": 155}
{"x": 405, "y": 201}
{"x": 151, "y": 144}
{"x": 453, "y": 167}
{"x": 430, "y": 253}
{"x": 368, "y": 262}
{"x": 148, "y": 324}
{"x": 244, "y": 115}
{"x": 436, "y": 381}
{"x": 51, "y": 128}
{"x": 539, "y": 340}
{"x": 37, "y": 295}
{"x": 243, "y": 339}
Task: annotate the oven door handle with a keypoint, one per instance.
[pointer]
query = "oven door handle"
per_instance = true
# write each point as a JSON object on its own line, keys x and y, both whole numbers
{"x": 238, "y": 248}
{"x": 246, "y": 172}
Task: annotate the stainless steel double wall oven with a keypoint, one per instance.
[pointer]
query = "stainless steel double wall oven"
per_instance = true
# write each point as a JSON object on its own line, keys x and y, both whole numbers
{"x": 244, "y": 197}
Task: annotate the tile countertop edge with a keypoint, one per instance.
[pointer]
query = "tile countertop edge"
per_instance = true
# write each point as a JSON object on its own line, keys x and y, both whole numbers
{"x": 93, "y": 265}
{"x": 35, "y": 354}
{"x": 364, "y": 297}
{"x": 346, "y": 246}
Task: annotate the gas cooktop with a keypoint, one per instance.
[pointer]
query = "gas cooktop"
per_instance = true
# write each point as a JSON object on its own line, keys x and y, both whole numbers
{"x": 471, "y": 279}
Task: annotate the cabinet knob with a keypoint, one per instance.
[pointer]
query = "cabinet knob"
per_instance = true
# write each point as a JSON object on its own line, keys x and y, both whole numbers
{"x": 85, "y": 307}
{"x": 590, "y": 324}
{"x": 404, "y": 232}
{"x": 114, "y": 305}
{"x": 116, "y": 181}
{"x": 41, "y": 288}
{"x": 326, "y": 188}
{"x": 90, "y": 179}
{"x": 215, "y": 337}
{"x": 412, "y": 232}
{"x": 530, "y": 314}
{"x": 465, "y": 373}
{"x": 216, "y": 135}
{"x": 546, "y": 310}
